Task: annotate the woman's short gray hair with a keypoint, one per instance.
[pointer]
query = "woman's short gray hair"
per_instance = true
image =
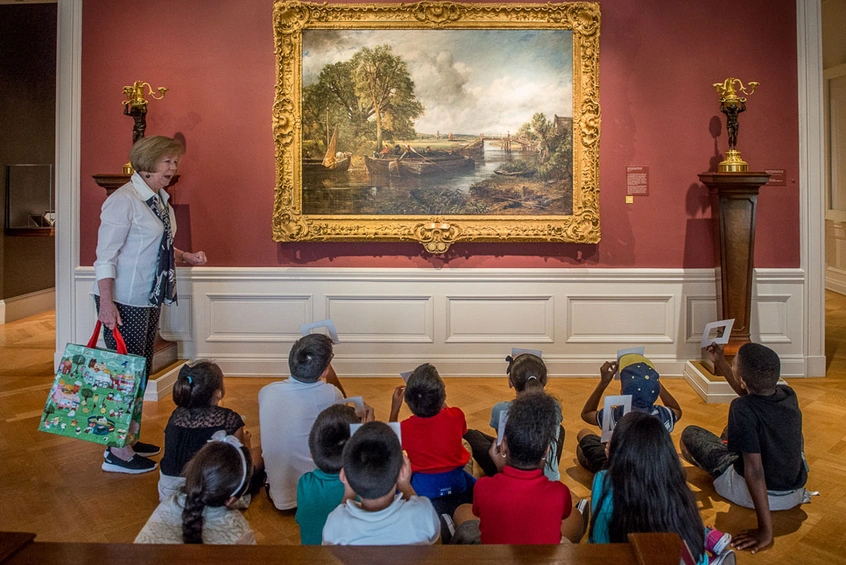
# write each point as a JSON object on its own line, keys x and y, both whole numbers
{"x": 148, "y": 151}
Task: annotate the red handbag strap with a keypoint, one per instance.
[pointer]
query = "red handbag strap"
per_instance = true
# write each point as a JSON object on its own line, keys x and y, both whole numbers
{"x": 121, "y": 345}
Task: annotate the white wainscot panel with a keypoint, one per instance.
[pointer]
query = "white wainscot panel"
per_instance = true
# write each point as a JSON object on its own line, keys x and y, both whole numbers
{"x": 620, "y": 319}
{"x": 500, "y": 319}
{"x": 773, "y": 324}
{"x": 701, "y": 310}
{"x": 382, "y": 318}
{"x": 256, "y": 317}
{"x": 176, "y": 321}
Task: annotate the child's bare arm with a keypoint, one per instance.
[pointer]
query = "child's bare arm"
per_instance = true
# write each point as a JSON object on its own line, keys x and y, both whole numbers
{"x": 396, "y": 403}
{"x": 718, "y": 358}
{"x": 762, "y": 536}
{"x": 404, "y": 479}
{"x": 606, "y": 375}
{"x": 670, "y": 402}
{"x": 332, "y": 378}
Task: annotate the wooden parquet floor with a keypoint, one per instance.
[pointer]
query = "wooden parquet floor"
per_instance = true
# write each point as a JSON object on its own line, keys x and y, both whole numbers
{"x": 54, "y": 487}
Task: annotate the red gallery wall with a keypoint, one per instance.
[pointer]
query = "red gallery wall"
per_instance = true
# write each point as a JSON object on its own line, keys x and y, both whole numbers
{"x": 658, "y": 59}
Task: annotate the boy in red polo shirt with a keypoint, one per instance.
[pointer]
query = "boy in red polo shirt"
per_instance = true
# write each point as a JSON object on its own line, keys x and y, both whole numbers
{"x": 519, "y": 505}
{"x": 432, "y": 438}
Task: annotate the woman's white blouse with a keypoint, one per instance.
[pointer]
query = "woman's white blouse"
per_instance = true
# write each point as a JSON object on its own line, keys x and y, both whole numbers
{"x": 128, "y": 242}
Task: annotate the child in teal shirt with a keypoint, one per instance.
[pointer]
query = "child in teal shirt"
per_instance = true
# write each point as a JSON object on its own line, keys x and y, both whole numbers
{"x": 321, "y": 491}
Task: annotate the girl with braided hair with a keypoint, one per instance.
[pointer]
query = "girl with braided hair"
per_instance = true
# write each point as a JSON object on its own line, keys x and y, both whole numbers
{"x": 203, "y": 511}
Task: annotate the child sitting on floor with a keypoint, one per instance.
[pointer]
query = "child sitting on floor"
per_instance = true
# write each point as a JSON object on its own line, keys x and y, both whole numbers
{"x": 202, "y": 510}
{"x": 644, "y": 489}
{"x": 761, "y": 466}
{"x": 519, "y": 505}
{"x": 321, "y": 491}
{"x": 287, "y": 411}
{"x": 432, "y": 438}
{"x": 526, "y": 373}
{"x": 197, "y": 391}
{"x": 374, "y": 469}
{"x": 639, "y": 379}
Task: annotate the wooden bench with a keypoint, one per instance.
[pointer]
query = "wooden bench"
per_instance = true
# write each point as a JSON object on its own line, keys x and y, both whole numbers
{"x": 642, "y": 549}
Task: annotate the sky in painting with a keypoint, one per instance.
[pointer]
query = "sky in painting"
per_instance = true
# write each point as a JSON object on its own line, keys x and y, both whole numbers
{"x": 469, "y": 81}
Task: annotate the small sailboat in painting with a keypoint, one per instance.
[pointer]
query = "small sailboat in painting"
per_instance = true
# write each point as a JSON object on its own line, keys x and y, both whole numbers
{"x": 331, "y": 163}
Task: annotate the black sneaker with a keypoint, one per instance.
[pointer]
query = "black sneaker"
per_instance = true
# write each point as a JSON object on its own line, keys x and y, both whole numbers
{"x": 134, "y": 466}
{"x": 146, "y": 449}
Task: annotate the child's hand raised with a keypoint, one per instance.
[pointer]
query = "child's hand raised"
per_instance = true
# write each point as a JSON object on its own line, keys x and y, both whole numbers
{"x": 715, "y": 353}
{"x": 397, "y": 398}
{"x": 607, "y": 371}
{"x": 396, "y": 403}
{"x": 497, "y": 455}
{"x": 369, "y": 414}
{"x": 404, "y": 479}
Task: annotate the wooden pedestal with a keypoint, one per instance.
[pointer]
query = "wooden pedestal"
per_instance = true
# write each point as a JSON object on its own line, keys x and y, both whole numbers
{"x": 734, "y": 201}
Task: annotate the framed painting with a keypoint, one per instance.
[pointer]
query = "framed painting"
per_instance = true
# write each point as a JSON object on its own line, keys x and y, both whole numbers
{"x": 437, "y": 122}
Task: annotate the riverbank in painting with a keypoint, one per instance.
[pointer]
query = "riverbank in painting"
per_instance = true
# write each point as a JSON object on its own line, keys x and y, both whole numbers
{"x": 477, "y": 191}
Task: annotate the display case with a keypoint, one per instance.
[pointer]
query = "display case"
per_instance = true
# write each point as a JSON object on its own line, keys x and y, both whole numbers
{"x": 30, "y": 199}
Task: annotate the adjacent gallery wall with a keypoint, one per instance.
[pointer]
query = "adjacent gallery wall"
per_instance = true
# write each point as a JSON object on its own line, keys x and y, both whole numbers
{"x": 27, "y": 115}
{"x": 649, "y": 281}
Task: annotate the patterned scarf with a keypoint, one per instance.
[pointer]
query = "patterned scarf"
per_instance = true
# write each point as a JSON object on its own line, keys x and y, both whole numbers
{"x": 164, "y": 285}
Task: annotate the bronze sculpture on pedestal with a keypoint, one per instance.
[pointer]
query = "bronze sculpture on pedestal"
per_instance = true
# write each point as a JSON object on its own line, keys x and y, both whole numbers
{"x": 732, "y": 105}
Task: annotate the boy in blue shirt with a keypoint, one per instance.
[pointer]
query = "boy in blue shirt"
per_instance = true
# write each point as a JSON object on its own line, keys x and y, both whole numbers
{"x": 321, "y": 491}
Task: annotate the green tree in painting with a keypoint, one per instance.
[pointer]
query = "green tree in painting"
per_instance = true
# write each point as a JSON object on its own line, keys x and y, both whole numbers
{"x": 382, "y": 79}
{"x": 555, "y": 147}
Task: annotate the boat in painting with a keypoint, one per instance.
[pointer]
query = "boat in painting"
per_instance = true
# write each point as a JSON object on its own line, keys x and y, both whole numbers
{"x": 331, "y": 163}
{"x": 418, "y": 165}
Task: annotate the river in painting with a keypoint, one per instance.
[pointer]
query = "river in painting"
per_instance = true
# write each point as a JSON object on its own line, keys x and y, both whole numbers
{"x": 477, "y": 191}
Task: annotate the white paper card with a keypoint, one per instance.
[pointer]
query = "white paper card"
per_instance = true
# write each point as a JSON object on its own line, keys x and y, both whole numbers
{"x": 515, "y": 351}
{"x": 624, "y": 400}
{"x": 500, "y": 429}
{"x": 306, "y": 329}
{"x": 621, "y": 352}
{"x": 712, "y": 332}
{"x": 395, "y": 426}
{"x": 357, "y": 402}
{"x": 405, "y": 375}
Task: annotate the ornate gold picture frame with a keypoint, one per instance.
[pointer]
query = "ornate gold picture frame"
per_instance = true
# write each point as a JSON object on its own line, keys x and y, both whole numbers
{"x": 437, "y": 122}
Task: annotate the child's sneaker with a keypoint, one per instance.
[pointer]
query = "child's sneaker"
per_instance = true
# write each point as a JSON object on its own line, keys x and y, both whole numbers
{"x": 135, "y": 465}
{"x": 726, "y": 558}
{"x": 716, "y": 541}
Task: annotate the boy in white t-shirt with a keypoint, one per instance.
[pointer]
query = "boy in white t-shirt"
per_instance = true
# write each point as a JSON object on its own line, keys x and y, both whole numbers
{"x": 287, "y": 411}
{"x": 375, "y": 469}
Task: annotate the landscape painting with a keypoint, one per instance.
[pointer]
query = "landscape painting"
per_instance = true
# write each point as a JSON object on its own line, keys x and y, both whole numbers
{"x": 437, "y": 122}
{"x": 475, "y": 122}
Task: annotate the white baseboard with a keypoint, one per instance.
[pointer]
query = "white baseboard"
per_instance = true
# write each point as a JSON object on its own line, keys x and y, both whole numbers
{"x": 465, "y": 321}
{"x": 19, "y": 307}
{"x": 162, "y": 386}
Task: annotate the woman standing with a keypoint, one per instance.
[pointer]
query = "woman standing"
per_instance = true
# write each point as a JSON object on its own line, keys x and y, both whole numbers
{"x": 135, "y": 267}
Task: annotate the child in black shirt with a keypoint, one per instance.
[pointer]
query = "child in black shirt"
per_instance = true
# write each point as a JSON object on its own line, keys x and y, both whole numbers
{"x": 761, "y": 465}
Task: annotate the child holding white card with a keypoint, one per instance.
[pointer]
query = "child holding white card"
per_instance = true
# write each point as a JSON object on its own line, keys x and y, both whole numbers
{"x": 519, "y": 505}
{"x": 526, "y": 373}
{"x": 432, "y": 439}
{"x": 639, "y": 379}
{"x": 287, "y": 411}
{"x": 388, "y": 511}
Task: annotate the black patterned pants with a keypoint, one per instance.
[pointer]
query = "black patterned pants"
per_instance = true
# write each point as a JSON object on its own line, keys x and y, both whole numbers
{"x": 139, "y": 330}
